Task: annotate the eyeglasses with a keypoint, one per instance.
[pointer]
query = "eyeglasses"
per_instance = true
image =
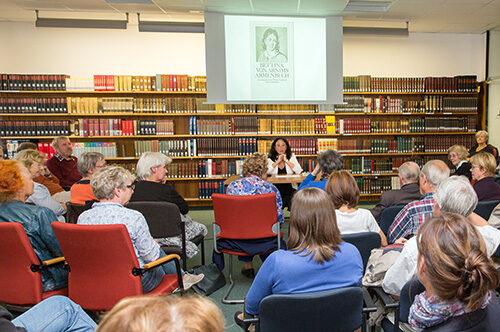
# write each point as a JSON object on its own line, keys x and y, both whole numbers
{"x": 131, "y": 186}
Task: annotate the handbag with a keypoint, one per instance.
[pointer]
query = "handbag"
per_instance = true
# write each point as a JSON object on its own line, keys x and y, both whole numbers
{"x": 214, "y": 279}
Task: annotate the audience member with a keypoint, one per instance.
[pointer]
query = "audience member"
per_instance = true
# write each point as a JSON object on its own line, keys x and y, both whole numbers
{"x": 151, "y": 172}
{"x": 344, "y": 192}
{"x": 47, "y": 178}
{"x": 63, "y": 164}
{"x": 409, "y": 219}
{"x": 113, "y": 187}
{"x": 482, "y": 145}
{"x": 408, "y": 174}
{"x": 282, "y": 161}
{"x": 457, "y": 154}
{"x": 458, "y": 277}
{"x": 328, "y": 162}
{"x": 54, "y": 314}
{"x": 163, "y": 314}
{"x": 253, "y": 183}
{"x": 88, "y": 164}
{"x": 483, "y": 169}
{"x": 454, "y": 195}
{"x": 15, "y": 186}
{"x": 33, "y": 161}
{"x": 316, "y": 260}
{"x": 494, "y": 219}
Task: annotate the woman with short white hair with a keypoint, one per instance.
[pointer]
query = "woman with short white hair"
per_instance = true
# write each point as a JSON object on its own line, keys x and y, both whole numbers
{"x": 151, "y": 187}
{"x": 482, "y": 145}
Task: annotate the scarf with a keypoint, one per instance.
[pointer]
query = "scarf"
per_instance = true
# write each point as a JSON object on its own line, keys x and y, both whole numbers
{"x": 426, "y": 312}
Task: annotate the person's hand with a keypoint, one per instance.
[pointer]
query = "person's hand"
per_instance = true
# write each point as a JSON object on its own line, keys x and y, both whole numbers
{"x": 281, "y": 158}
{"x": 401, "y": 241}
{"x": 46, "y": 172}
{"x": 316, "y": 170}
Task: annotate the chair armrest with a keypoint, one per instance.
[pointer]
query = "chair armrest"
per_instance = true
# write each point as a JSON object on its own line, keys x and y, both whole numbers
{"x": 160, "y": 261}
{"x": 368, "y": 304}
{"x": 386, "y": 299}
{"x": 53, "y": 261}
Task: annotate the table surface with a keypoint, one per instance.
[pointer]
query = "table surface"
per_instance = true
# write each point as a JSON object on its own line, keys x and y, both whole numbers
{"x": 296, "y": 178}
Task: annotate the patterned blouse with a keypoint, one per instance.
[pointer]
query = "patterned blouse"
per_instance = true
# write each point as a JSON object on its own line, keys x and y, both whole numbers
{"x": 253, "y": 185}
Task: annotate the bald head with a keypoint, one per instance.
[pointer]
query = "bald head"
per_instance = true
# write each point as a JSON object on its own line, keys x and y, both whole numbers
{"x": 408, "y": 172}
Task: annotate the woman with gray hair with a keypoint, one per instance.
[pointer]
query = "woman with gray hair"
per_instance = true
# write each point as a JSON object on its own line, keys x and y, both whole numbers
{"x": 113, "y": 187}
{"x": 482, "y": 145}
{"x": 88, "y": 164}
{"x": 328, "y": 162}
{"x": 151, "y": 187}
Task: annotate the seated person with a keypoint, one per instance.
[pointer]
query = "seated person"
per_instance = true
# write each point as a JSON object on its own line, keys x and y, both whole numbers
{"x": 47, "y": 178}
{"x": 88, "y": 164}
{"x": 458, "y": 276}
{"x": 316, "y": 260}
{"x": 482, "y": 145}
{"x": 483, "y": 170}
{"x": 282, "y": 161}
{"x": 457, "y": 154}
{"x": 328, "y": 162}
{"x": 253, "y": 183}
{"x": 454, "y": 195}
{"x": 409, "y": 219}
{"x": 63, "y": 164}
{"x": 33, "y": 160}
{"x": 55, "y": 314}
{"x": 344, "y": 192}
{"x": 151, "y": 187}
{"x": 113, "y": 187}
{"x": 16, "y": 185}
{"x": 408, "y": 174}
{"x": 163, "y": 313}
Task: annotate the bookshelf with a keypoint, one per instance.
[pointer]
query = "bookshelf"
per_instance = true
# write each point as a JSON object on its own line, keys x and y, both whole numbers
{"x": 376, "y": 129}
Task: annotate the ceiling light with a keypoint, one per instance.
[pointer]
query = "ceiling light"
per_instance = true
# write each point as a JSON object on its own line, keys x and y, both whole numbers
{"x": 367, "y": 6}
{"x": 45, "y": 22}
{"x": 158, "y": 26}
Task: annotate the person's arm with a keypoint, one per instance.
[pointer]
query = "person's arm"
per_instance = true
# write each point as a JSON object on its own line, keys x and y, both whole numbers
{"x": 309, "y": 178}
{"x": 41, "y": 197}
{"x": 46, "y": 217}
{"x": 383, "y": 239}
{"x": 272, "y": 166}
{"x": 146, "y": 246}
{"x": 169, "y": 194}
{"x": 491, "y": 237}
{"x": 262, "y": 285}
{"x": 294, "y": 165}
{"x": 403, "y": 270}
{"x": 477, "y": 220}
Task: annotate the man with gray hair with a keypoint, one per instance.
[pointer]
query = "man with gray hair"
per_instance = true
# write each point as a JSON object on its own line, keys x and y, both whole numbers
{"x": 456, "y": 195}
{"x": 63, "y": 164}
{"x": 408, "y": 174}
{"x": 414, "y": 213}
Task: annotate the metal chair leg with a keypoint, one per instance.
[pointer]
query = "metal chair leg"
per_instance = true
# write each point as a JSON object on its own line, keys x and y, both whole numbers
{"x": 231, "y": 285}
{"x": 203, "y": 252}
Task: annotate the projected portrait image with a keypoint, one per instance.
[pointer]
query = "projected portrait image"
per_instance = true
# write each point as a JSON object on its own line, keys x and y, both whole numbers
{"x": 271, "y": 44}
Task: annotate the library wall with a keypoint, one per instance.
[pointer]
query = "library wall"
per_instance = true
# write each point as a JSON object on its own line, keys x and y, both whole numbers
{"x": 84, "y": 52}
{"x": 493, "y": 106}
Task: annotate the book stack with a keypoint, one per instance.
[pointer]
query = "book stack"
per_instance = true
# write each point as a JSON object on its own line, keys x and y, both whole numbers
{"x": 459, "y": 104}
{"x": 216, "y": 168}
{"x": 303, "y": 145}
{"x": 442, "y": 143}
{"x": 34, "y": 128}
{"x": 226, "y": 146}
{"x": 187, "y": 169}
{"x": 32, "y": 82}
{"x": 353, "y": 145}
{"x": 173, "y": 148}
{"x": 118, "y": 127}
{"x": 244, "y": 125}
{"x": 208, "y": 187}
{"x": 352, "y": 126}
{"x": 33, "y": 105}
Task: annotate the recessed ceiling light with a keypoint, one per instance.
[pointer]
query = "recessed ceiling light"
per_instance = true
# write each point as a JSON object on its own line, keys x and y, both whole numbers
{"x": 131, "y": 2}
{"x": 196, "y": 11}
{"x": 367, "y": 6}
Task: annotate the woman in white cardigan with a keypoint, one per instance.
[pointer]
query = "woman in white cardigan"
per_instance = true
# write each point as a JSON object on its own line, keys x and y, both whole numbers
{"x": 281, "y": 160}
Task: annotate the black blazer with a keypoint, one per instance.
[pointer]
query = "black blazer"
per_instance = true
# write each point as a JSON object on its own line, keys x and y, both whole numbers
{"x": 464, "y": 170}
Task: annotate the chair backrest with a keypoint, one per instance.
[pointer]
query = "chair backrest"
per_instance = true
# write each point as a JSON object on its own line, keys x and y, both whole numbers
{"x": 73, "y": 211}
{"x": 19, "y": 285}
{"x": 484, "y": 209}
{"x": 101, "y": 258}
{"x": 163, "y": 218}
{"x": 245, "y": 217}
{"x": 365, "y": 242}
{"x": 411, "y": 289}
{"x": 332, "y": 310}
{"x": 387, "y": 217}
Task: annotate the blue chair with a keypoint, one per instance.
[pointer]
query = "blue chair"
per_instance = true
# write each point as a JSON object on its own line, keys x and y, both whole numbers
{"x": 332, "y": 310}
{"x": 387, "y": 217}
{"x": 365, "y": 242}
{"x": 485, "y": 208}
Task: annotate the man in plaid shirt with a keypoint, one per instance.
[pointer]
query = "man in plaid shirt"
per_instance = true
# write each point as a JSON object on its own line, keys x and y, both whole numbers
{"x": 410, "y": 218}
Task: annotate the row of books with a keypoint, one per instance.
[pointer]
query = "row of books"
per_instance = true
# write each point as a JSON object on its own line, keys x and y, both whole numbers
{"x": 33, "y": 105}
{"x": 32, "y": 82}
{"x": 366, "y": 83}
{"x": 159, "y": 82}
{"x": 208, "y": 187}
{"x": 226, "y": 146}
{"x": 373, "y": 186}
{"x": 108, "y": 149}
{"x": 34, "y": 128}
{"x": 119, "y": 127}
{"x": 362, "y": 165}
{"x": 173, "y": 148}
{"x": 204, "y": 168}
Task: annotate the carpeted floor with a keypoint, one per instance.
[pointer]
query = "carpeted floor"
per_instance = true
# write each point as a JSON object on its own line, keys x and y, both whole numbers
{"x": 242, "y": 284}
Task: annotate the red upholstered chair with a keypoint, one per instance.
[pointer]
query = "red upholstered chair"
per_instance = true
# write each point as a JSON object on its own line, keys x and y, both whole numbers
{"x": 21, "y": 278}
{"x": 244, "y": 218}
{"x": 104, "y": 267}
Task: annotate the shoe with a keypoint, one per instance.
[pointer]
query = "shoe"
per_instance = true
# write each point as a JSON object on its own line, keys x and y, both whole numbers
{"x": 249, "y": 273}
{"x": 189, "y": 280}
{"x": 240, "y": 322}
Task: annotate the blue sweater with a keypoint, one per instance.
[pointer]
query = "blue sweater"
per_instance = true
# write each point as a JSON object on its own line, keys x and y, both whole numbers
{"x": 310, "y": 183}
{"x": 285, "y": 272}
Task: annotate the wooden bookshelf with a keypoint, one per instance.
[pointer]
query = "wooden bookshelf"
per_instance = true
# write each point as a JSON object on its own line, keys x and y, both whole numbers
{"x": 188, "y": 186}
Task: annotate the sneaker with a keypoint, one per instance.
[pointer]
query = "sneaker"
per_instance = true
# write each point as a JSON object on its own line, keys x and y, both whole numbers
{"x": 191, "y": 279}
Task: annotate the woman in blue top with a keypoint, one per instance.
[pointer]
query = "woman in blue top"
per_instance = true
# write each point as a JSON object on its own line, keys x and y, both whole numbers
{"x": 316, "y": 258}
{"x": 328, "y": 162}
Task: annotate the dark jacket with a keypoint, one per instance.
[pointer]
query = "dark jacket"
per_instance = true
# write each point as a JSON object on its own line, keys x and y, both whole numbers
{"x": 487, "y": 189}
{"x": 408, "y": 193}
{"x": 464, "y": 170}
{"x": 148, "y": 191}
